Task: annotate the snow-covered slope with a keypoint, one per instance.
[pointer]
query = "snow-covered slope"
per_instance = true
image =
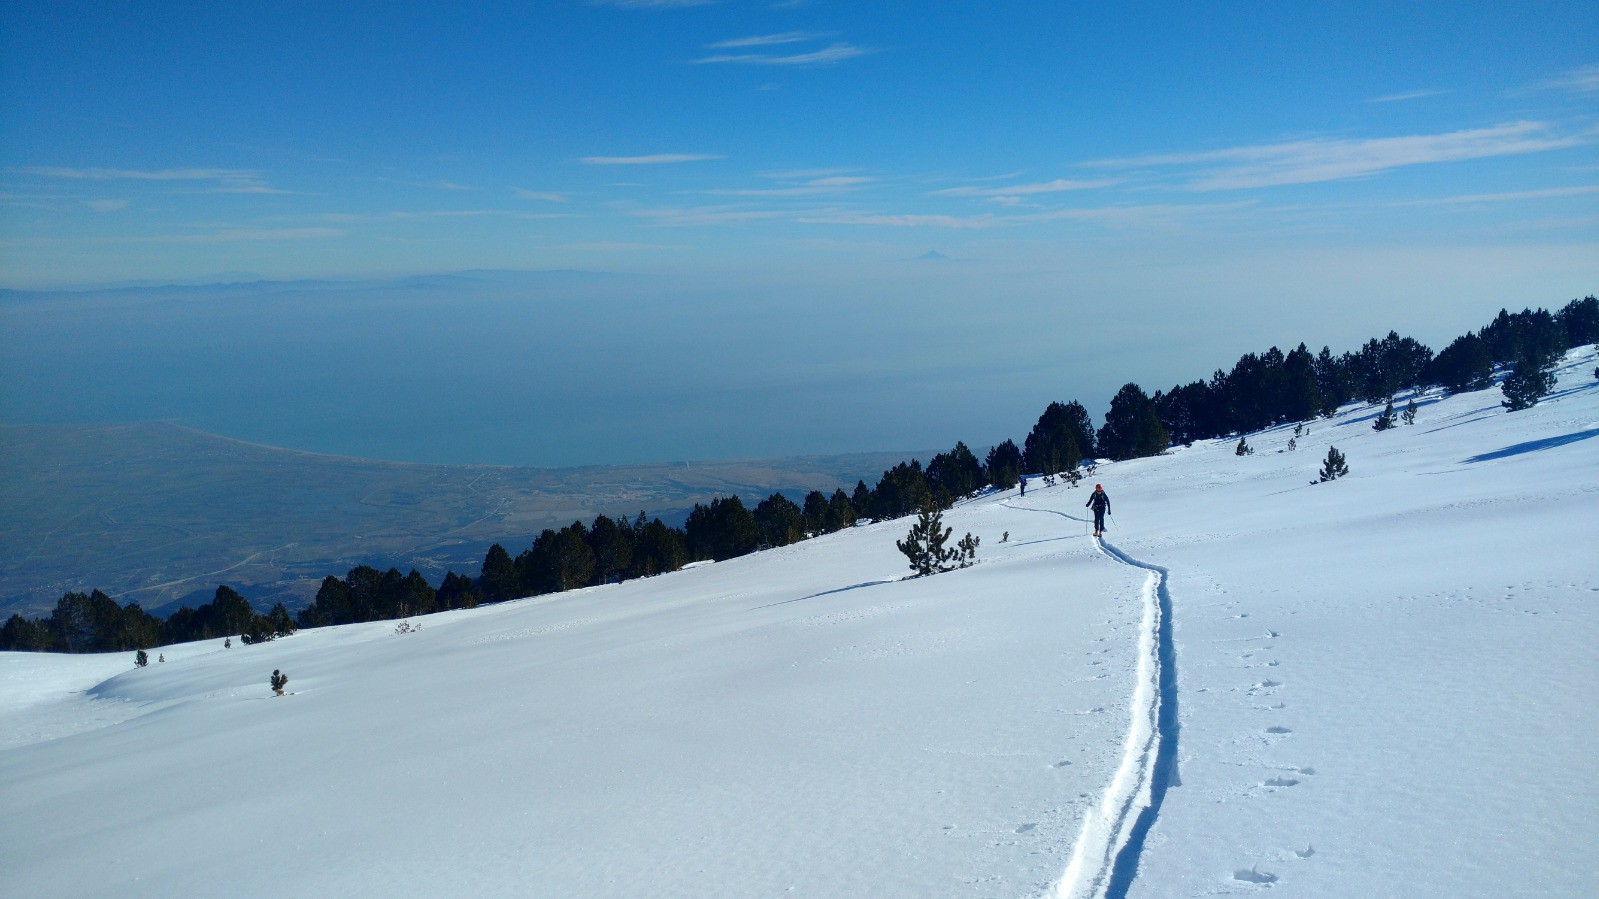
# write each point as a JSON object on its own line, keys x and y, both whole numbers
{"x": 1384, "y": 686}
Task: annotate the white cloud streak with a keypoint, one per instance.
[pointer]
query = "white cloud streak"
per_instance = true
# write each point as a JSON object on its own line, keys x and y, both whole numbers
{"x": 1581, "y": 80}
{"x": 226, "y": 181}
{"x": 547, "y": 196}
{"x": 826, "y": 56}
{"x": 1024, "y": 190}
{"x": 1407, "y": 95}
{"x": 652, "y": 159}
{"x": 765, "y": 40}
{"x": 1312, "y": 161}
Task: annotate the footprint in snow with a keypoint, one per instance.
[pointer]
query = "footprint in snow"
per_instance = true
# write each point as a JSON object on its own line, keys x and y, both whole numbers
{"x": 1026, "y": 827}
{"x": 1254, "y": 875}
{"x": 1278, "y": 730}
{"x": 1307, "y": 852}
{"x": 1281, "y": 782}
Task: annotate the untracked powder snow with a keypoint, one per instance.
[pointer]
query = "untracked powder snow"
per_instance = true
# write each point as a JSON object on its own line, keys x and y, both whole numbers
{"x": 1382, "y": 685}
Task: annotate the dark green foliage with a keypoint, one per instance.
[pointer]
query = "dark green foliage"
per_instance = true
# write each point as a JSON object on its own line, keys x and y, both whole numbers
{"x": 1054, "y": 445}
{"x": 1386, "y": 419}
{"x": 957, "y": 472}
{"x": 840, "y": 512}
{"x": 722, "y": 530}
{"x": 1004, "y": 465}
{"x": 1409, "y": 415}
{"x": 613, "y": 549}
{"x": 924, "y": 544}
{"x": 1528, "y": 334}
{"x": 1580, "y": 319}
{"x": 457, "y": 592}
{"x": 1335, "y": 466}
{"x": 779, "y": 521}
{"x": 861, "y": 500}
{"x": 1464, "y": 364}
{"x": 1243, "y": 448}
{"x": 657, "y": 548}
{"x": 365, "y": 594}
{"x": 1132, "y": 428}
{"x": 815, "y": 510}
{"x": 902, "y": 490}
{"x": 1385, "y": 367}
{"x": 498, "y": 582}
{"x": 1530, "y": 379}
{"x": 141, "y": 658}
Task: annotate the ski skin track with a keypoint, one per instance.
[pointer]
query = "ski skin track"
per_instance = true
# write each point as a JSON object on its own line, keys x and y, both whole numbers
{"x": 1149, "y": 758}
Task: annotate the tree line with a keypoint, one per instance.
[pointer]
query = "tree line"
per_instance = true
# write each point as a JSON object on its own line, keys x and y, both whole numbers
{"x": 1259, "y": 391}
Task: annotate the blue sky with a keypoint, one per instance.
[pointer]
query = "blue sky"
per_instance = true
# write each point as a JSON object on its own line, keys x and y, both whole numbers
{"x": 1117, "y": 191}
{"x": 164, "y": 141}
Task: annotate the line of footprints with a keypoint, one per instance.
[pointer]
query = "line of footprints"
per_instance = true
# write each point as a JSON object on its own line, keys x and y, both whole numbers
{"x": 1273, "y": 734}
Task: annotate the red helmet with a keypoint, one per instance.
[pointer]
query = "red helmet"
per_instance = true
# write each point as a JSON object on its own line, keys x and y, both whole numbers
{"x": 1099, "y": 486}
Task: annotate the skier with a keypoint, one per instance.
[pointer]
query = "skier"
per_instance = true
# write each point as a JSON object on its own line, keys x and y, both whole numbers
{"x": 1100, "y": 501}
{"x": 1024, "y": 485}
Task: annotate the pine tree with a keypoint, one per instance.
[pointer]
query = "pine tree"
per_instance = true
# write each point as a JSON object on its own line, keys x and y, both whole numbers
{"x": 966, "y": 551}
{"x": 1335, "y": 467}
{"x": 498, "y": 581}
{"x": 279, "y": 681}
{"x": 1293, "y": 444}
{"x": 1529, "y": 381}
{"x": 141, "y": 658}
{"x": 1409, "y": 415}
{"x": 1386, "y": 419}
{"x": 924, "y": 545}
{"x": 1243, "y": 448}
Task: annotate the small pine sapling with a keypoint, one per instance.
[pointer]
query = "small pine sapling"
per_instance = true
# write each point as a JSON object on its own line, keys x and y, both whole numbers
{"x": 1005, "y": 537}
{"x": 1335, "y": 467}
{"x": 1049, "y": 480}
{"x": 1409, "y": 415}
{"x": 279, "y": 681}
{"x": 966, "y": 551}
{"x": 162, "y": 658}
{"x": 1243, "y": 448}
{"x": 1527, "y": 383}
{"x": 228, "y": 643}
{"x": 1299, "y": 430}
{"x": 1386, "y": 419}
{"x": 1073, "y": 477}
{"x": 1293, "y": 444}
{"x": 141, "y": 659}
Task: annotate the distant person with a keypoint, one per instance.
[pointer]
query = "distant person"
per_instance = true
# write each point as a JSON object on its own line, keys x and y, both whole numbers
{"x": 1099, "y": 501}
{"x": 1024, "y": 486}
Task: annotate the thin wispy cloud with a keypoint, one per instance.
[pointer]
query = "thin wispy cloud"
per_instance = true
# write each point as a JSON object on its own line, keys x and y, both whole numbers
{"x": 811, "y": 187}
{"x": 833, "y": 54}
{"x": 1406, "y": 95}
{"x": 708, "y": 215}
{"x": 247, "y": 234}
{"x": 1581, "y": 80}
{"x": 765, "y": 40}
{"x": 651, "y": 159}
{"x": 107, "y": 205}
{"x": 1025, "y": 190}
{"x": 477, "y": 213}
{"x": 1329, "y": 159}
{"x": 448, "y": 185}
{"x": 547, "y": 196}
{"x": 1547, "y": 193}
{"x": 230, "y": 181}
{"x": 650, "y": 4}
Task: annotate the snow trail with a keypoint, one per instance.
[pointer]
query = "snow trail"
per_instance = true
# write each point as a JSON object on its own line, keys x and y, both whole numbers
{"x": 1104, "y": 860}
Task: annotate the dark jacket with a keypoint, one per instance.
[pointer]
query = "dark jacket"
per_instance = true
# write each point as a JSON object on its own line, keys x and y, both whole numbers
{"x": 1099, "y": 500}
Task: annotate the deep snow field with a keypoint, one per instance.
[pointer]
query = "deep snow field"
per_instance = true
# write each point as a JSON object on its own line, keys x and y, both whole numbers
{"x": 1387, "y": 685}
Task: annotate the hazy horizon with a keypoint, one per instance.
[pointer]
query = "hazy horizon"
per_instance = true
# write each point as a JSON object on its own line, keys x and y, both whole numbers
{"x": 808, "y": 227}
